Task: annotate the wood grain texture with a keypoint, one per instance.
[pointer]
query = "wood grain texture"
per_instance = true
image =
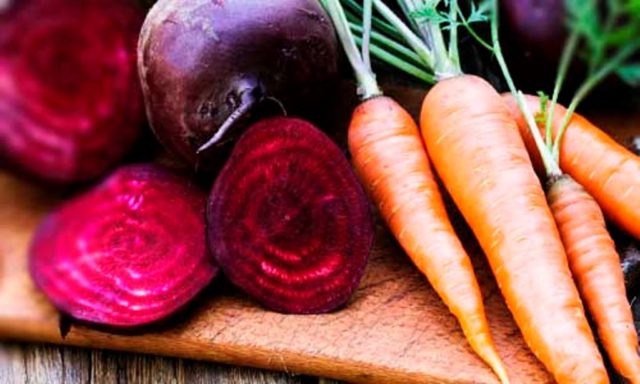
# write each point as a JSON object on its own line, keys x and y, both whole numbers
{"x": 37, "y": 363}
{"x": 394, "y": 330}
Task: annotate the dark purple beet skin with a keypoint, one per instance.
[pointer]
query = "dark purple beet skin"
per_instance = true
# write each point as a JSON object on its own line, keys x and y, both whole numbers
{"x": 204, "y": 63}
{"x": 70, "y": 99}
{"x": 288, "y": 221}
{"x": 129, "y": 252}
{"x": 538, "y": 24}
{"x": 533, "y": 35}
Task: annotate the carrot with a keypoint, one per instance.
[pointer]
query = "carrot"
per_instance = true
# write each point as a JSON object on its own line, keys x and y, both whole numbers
{"x": 476, "y": 148}
{"x": 592, "y": 256}
{"x": 609, "y": 172}
{"x": 606, "y": 169}
{"x": 595, "y": 264}
{"x": 390, "y": 158}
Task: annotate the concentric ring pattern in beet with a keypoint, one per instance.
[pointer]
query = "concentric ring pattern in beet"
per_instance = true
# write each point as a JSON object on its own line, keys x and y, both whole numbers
{"x": 71, "y": 103}
{"x": 129, "y": 252}
{"x": 288, "y": 221}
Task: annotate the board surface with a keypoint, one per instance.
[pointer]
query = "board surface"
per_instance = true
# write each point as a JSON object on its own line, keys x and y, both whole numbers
{"x": 394, "y": 330}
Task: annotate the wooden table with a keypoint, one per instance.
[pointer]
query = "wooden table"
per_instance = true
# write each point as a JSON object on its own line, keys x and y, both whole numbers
{"x": 39, "y": 364}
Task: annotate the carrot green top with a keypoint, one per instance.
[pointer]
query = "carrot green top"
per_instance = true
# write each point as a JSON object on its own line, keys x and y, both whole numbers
{"x": 426, "y": 46}
{"x": 418, "y": 48}
{"x": 366, "y": 79}
{"x": 606, "y": 39}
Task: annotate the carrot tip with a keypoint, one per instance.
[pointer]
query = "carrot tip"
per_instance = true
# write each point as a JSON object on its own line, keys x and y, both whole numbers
{"x": 494, "y": 361}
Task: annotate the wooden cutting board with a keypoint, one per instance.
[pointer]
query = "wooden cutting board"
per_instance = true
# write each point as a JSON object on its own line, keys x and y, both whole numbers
{"x": 394, "y": 330}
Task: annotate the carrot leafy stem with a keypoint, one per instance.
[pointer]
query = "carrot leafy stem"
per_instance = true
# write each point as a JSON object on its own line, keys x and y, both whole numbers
{"x": 541, "y": 116}
{"x": 367, "y": 14}
{"x": 354, "y": 8}
{"x": 478, "y": 14}
{"x": 550, "y": 164}
{"x": 366, "y": 79}
{"x": 390, "y": 41}
{"x": 429, "y": 12}
{"x": 431, "y": 33}
{"x": 630, "y": 73}
{"x": 430, "y": 21}
{"x": 607, "y": 41}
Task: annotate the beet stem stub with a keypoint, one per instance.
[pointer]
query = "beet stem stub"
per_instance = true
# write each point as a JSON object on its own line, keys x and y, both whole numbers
{"x": 129, "y": 252}
{"x": 248, "y": 100}
{"x": 287, "y": 219}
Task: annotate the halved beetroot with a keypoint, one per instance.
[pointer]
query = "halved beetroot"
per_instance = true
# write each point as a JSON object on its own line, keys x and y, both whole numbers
{"x": 129, "y": 252}
{"x": 70, "y": 99}
{"x": 288, "y": 221}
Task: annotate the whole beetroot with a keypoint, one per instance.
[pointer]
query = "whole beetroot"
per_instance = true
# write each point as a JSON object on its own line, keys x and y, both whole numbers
{"x": 128, "y": 252}
{"x": 539, "y": 26}
{"x": 533, "y": 36}
{"x": 206, "y": 65}
{"x": 70, "y": 100}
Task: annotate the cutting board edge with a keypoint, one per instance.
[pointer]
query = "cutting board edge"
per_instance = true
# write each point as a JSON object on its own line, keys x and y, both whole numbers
{"x": 248, "y": 356}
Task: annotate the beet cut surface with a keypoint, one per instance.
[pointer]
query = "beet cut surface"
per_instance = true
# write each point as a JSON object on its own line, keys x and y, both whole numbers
{"x": 287, "y": 219}
{"x": 129, "y": 252}
{"x": 70, "y": 99}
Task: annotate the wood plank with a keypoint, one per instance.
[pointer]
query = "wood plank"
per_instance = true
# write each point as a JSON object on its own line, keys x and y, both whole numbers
{"x": 37, "y": 363}
{"x": 394, "y": 330}
{"x": 12, "y": 368}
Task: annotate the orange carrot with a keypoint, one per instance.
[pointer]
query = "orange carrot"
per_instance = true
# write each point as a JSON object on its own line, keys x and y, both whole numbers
{"x": 606, "y": 169}
{"x": 593, "y": 259}
{"x": 476, "y": 148}
{"x": 390, "y": 158}
{"x": 596, "y": 267}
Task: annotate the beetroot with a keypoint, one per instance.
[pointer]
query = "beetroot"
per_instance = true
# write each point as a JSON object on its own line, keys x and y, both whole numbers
{"x": 538, "y": 25}
{"x": 287, "y": 219}
{"x": 129, "y": 252}
{"x": 70, "y": 100}
{"x": 206, "y": 66}
{"x": 533, "y": 37}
